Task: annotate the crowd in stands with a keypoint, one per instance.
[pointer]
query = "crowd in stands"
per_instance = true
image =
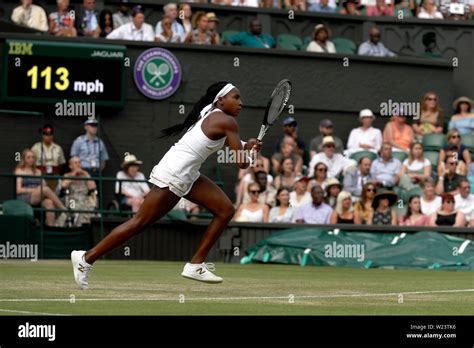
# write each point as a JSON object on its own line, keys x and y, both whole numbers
{"x": 180, "y": 25}
{"x": 417, "y": 174}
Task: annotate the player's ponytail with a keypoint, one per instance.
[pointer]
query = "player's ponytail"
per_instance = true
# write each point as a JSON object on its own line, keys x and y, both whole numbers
{"x": 193, "y": 115}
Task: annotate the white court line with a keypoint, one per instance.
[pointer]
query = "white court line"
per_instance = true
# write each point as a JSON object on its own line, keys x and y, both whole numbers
{"x": 234, "y": 298}
{"x": 27, "y": 312}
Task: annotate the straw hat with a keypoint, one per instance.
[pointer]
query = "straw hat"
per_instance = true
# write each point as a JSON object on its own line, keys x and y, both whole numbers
{"x": 129, "y": 160}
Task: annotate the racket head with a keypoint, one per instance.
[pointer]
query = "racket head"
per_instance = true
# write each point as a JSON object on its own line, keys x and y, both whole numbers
{"x": 277, "y": 102}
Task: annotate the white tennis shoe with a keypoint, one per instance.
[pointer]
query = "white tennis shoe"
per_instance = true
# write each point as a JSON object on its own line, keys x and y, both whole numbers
{"x": 81, "y": 268}
{"x": 201, "y": 272}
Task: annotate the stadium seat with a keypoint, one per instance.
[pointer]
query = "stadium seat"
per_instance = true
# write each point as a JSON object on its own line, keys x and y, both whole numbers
{"x": 401, "y": 156}
{"x": 468, "y": 141}
{"x": 17, "y": 208}
{"x": 433, "y": 142}
{"x": 306, "y": 41}
{"x": 406, "y": 13}
{"x": 414, "y": 191}
{"x": 471, "y": 180}
{"x": 289, "y": 42}
{"x": 225, "y": 35}
{"x": 433, "y": 157}
{"x": 344, "y": 45}
{"x": 356, "y": 156}
{"x": 400, "y": 192}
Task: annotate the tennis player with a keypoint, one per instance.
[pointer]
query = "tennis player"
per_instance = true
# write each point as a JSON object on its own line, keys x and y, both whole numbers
{"x": 210, "y": 124}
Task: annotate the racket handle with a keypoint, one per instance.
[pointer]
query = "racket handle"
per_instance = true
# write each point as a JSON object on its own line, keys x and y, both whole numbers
{"x": 263, "y": 130}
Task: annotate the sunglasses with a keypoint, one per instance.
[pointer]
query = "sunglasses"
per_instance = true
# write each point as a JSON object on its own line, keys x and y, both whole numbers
{"x": 290, "y": 125}
{"x": 322, "y": 169}
{"x": 450, "y": 201}
{"x": 329, "y": 146}
{"x": 452, "y": 163}
{"x": 435, "y": 99}
{"x": 454, "y": 136}
{"x": 255, "y": 192}
{"x": 466, "y": 188}
{"x": 370, "y": 190}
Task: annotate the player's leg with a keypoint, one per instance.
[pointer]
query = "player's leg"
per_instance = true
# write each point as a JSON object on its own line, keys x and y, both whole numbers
{"x": 157, "y": 203}
{"x": 207, "y": 194}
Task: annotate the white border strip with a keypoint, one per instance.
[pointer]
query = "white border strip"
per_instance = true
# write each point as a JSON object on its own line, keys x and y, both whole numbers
{"x": 27, "y": 312}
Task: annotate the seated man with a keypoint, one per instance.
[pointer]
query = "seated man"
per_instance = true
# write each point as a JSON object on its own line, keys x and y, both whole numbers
{"x": 267, "y": 191}
{"x": 335, "y": 162}
{"x": 373, "y": 47}
{"x": 290, "y": 128}
{"x": 30, "y": 16}
{"x": 254, "y": 38}
{"x": 325, "y": 129}
{"x": 316, "y": 212}
{"x": 366, "y": 137}
{"x": 356, "y": 178}
{"x": 465, "y": 200}
{"x": 288, "y": 146}
{"x": 385, "y": 169}
{"x": 448, "y": 181}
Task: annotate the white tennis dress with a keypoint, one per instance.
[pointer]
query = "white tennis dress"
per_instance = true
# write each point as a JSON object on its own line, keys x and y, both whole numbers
{"x": 179, "y": 167}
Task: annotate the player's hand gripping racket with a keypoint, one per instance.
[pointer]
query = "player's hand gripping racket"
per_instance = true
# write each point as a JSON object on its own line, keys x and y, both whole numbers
{"x": 276, "y": 104}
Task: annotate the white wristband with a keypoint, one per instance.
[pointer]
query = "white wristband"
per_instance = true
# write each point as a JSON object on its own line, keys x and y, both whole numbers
{"x": 243, "y": 143}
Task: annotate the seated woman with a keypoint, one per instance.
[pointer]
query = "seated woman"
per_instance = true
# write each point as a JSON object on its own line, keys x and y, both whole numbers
{"x": 282, "y": 212}
{"x": 167, "y": 35}
{"x": 250, "y": 177}
{"x": 460, "y": 151}
{"x": 415, "y": 168}
{"x": 287, "y": 176}
{"x": 134, "y": 192}
{"x": 320, "y": 176}
{"x": 431, "y": 118}
{"x": 300, "y": 195}
{"x": 414, "y": 216}
{"x": 81, "y": 193}
{"x": 201, "y": 35}
{"x": 430, "y": 202}
{"x": 34, "y": 190}
{"x": 363, "y": 207}
{"x": 321, "y": 43}
{"x": 252, "y": 211}
{"x": 447, "y": 215}
{"x": 333, "y": 188}
{"x": 383, "y": 214}
{"x": 288, "y": 148}
{"x": 344, "y": 212}
{"x": 463, "y": 119}
{"x": 398, "y": 134}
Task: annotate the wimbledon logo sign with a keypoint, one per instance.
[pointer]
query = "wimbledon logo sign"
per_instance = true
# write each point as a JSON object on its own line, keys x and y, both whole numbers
{"x": 157, "y": 73}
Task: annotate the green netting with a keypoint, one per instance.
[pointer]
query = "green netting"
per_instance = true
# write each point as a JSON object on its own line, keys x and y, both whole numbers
{"x": 312, "y": 246}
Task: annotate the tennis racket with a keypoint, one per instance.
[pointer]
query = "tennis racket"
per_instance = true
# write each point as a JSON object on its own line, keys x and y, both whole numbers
{"x": 276, "y": 104}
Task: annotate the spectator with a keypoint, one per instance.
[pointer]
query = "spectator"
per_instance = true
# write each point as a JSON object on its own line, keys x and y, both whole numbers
{"x": 431, "y": 47}
{"x": 448, "y": 180}
{"x": 344, "y": 211}
{"x": 356, "y": 178}
{"x": 431, "y": 118}
{"x": 320, "y": 176}
{"x": 430, "y": 202}
{"x": 134, "y": 192}
{"x": 106, "y": 24}
{"x": 254, "y": 38}
{"x": 385, "y": 169}
{"x": 455, "y": 9}
{"x": 459, "y": 151}
{"x": 212, "y": 23}
{"x": 398, "y": 134}
{"x": 34, "y": 190}
{"x": 463, "y": 119}
{"x": 136, "y": 30}
{"x": 322, "y": 6}
{"x": 267, "y": 191}
{"x": 447, "y": 215}
{"x": 251, "y": 177}
{"x": 171, "y": 11}
{"x": 288, "y": 146}
{"x": 254, "y": 211}
{"x": 415, "y": 168}
{"x": 90, "y": 149}
{"x": 414, "y": 216}
{"x": 380, "y": 9}
{"x": 321, "y": 43}
{"x": 200, "y": 35}
{"x": 428, "y": 10}
{"x": 86, "y": 21}
{"x": 167, "y": 34}
{"x": 300, "y": 196}
{"x": 383, "y": 214}
{"x": 122, "y": 16}
{"x": 373, "y": 47}
{"x": 49, "y": 155}
{"x": 363, "y": 207}
{"x": 333, "y": 188}
{"x": 283, "y": 212}
{"x": 287, "y": 175}
{"x": 465, "y": 200}
{"x": 335, "y": 162}
{"x": 261, "y": 163}
{"x": 61, "y": 23}
{"x": 30, "y": 16}
{"x": 185, "y": 17}
{"x": 350, "y": 8}
{"x": 80, "y": 193}
{"x": 325, "y": 129}
{"x": 297, "y": 5}
{"x": 366, "y": 137}
{"x": 246, "y": 3}
{"x": 290, "y": 129}
{"x": 316, "y": 212}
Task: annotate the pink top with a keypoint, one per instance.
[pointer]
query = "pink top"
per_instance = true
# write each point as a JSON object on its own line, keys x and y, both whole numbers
{"x": 421, "y": 221}
{"x": 372, "y": 11}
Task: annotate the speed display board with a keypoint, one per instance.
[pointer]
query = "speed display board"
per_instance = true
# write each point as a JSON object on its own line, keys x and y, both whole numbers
{"x": 48, "y": 72}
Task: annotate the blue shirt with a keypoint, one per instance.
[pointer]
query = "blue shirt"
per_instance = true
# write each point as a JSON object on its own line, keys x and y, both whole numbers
{"x": 368, "y": 48}
{"x": 463, "y": 125}
{"x": 318, "y": 8}
{"x": 176, "y": 28}
{"x": 91, "y": 152}
{"x": 385, "y": 172}
{"x": 247, "y": 39}
{"x": 314, "y": 215}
